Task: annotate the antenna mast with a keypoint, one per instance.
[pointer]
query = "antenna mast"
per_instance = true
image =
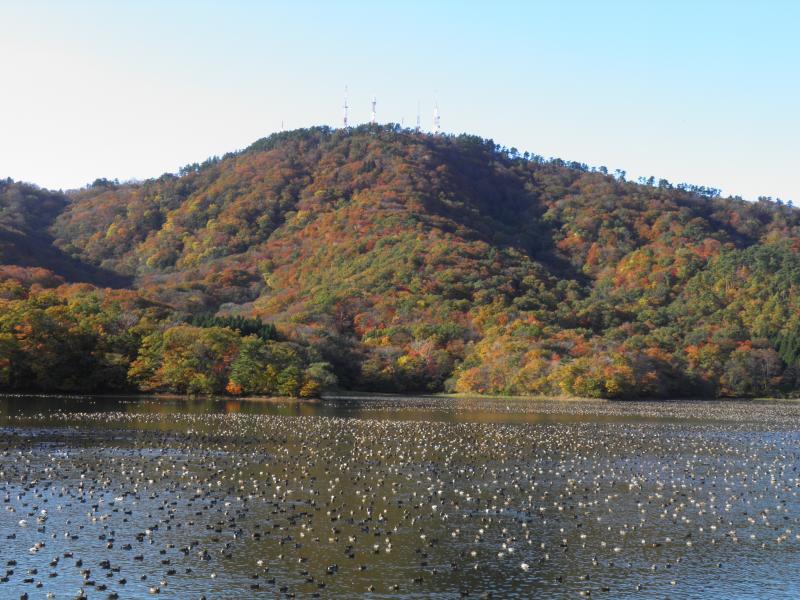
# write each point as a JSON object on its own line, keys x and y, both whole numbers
{"x": 345, "y": 107}
{"x": 417, "y": 127}
{"x": 374, "y": 102}
{"x": 437, "y": 123}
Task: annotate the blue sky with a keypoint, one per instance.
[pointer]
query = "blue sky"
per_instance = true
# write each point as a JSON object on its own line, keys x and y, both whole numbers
{"x": 700, "y": 92}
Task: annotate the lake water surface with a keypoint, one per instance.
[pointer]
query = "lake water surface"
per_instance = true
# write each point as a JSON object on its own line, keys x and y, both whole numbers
{"x": 398, "y": 498}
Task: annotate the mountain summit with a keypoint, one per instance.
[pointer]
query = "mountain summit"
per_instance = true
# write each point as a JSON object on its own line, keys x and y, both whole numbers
{"x": 414, "y": 262}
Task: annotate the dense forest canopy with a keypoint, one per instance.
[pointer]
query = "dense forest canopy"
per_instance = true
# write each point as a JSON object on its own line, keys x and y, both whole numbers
{"x": 390, "y": 260}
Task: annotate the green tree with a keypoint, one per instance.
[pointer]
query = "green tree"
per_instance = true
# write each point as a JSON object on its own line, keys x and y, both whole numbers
{"x": 186, "y": 359}
{"x": 252, "y": 371}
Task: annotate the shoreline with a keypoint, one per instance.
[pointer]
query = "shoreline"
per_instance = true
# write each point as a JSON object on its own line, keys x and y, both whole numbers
{"x": 360, "y": 396}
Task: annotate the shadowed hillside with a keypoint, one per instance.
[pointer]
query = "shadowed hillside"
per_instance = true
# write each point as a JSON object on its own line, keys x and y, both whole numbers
{"x": 26, "y": 213}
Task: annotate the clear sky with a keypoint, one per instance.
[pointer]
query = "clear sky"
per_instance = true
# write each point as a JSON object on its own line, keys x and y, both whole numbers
{"x": 700, "y": 92}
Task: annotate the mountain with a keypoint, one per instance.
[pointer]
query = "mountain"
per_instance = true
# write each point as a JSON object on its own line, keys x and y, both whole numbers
{"x": 26, "y": 214}
{"x": 402, "y": 261}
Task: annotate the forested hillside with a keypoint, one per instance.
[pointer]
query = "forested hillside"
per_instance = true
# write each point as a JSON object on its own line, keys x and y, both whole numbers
{"x": 26, "y": 215}
{"x": 397, "y": 261}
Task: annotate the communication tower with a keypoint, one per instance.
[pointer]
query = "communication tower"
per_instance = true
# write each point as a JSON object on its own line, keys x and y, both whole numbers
{"x": 345, "y": 107}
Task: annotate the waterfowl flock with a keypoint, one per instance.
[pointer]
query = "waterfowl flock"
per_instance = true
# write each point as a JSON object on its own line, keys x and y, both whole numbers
{"x": 443, "y": 500}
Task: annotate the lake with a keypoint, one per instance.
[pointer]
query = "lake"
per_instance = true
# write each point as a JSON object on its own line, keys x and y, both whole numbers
{"x": 392, "y": 497}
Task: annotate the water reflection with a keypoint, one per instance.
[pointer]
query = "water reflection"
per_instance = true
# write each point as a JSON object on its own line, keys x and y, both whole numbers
{"x": 398, "y": 498}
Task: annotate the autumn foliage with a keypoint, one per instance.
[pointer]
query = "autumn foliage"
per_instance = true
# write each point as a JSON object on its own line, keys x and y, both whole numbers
{"x": 398, "y": 261}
